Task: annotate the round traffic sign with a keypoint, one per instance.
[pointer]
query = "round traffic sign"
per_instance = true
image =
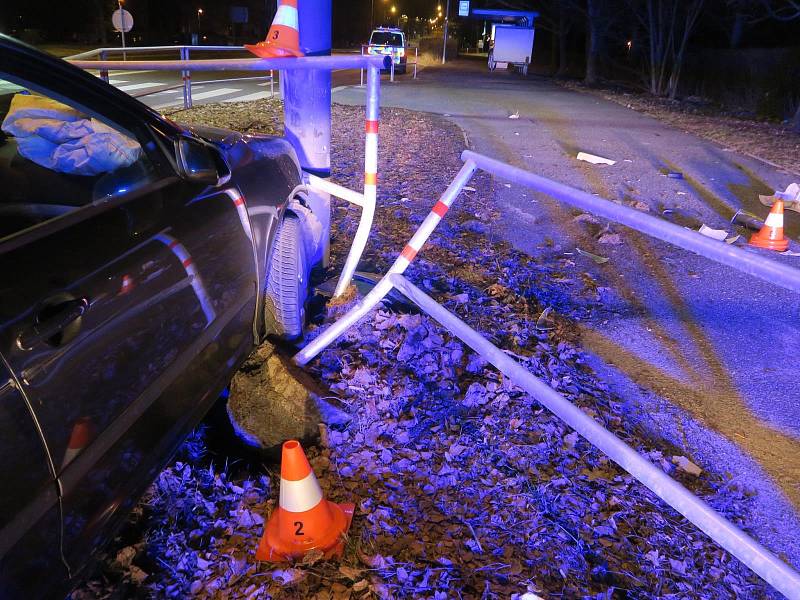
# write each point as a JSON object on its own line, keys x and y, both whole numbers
{"x": 122, "y": 20}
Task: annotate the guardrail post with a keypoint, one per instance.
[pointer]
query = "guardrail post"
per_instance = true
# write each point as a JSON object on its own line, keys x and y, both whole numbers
{"x": 416, "y": 61}
{"x": 370, "y": 181}
{"x": 187, "y": 79}
{"x": 271, "y": 83}
{"x": 103, "y": 72}
{"x": 391, "y": 68}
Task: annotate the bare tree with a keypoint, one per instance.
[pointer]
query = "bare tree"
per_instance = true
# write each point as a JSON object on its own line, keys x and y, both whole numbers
{"x": 668, "y": 25}
{"x": 738, "y": 16}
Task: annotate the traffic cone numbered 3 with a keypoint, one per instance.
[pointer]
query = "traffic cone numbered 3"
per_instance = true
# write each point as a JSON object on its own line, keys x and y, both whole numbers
{"x": 771, "y": 237}
{"x": 283, "y": 38}
{"x": 304, "y": 520}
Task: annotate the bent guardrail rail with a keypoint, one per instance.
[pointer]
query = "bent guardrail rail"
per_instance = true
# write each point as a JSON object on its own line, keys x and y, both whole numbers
{"x": 372, "y": 64}
{"x": 763, "y": 562}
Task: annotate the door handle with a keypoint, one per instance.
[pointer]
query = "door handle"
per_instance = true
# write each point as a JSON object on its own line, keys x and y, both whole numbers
{"x": 56, "y": 324}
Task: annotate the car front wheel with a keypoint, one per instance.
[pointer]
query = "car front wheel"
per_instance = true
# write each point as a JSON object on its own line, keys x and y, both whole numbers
{"x": 287, "y": 282}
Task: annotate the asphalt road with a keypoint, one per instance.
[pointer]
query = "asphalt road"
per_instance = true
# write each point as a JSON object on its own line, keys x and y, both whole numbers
{"x": 707, "y": 355}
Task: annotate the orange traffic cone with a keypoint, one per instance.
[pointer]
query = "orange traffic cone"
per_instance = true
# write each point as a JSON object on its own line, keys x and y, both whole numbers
{"x": 78, "y": 440}
{"x": 304, "y": 520}
{"x": 770, "y": 236}
{"x": 283, "y": 38}
{"x": 127, "y": 285}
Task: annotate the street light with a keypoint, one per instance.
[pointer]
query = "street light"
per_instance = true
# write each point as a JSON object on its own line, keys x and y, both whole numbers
{"x": 446, "y": 22}
{"x": 199, "y": 14}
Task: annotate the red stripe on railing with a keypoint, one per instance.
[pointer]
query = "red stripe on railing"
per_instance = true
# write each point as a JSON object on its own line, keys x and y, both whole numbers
{"x": 440, "y": 208}
{"x": 370, "y": 179}
{"x": 408, "y": 253}
{"x": 372, "y": 126}
{"x": 187, "y": 263}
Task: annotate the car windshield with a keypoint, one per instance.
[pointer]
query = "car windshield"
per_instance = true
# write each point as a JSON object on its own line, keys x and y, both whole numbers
{"x": 386, "y": 38}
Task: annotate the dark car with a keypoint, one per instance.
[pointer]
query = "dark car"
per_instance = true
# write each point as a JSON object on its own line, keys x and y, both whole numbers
{"x": 141, "y": 263}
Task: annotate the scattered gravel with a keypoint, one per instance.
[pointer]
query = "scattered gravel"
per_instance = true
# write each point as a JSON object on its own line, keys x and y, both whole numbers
{"x": 464, "y": 486}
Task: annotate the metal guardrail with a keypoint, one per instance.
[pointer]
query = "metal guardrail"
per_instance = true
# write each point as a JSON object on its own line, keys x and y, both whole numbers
{"x": 763, "y": 562}
{"x": 184, "y": 54}
{"x": 365, "y": 52}
{"x": 373, "y": 64}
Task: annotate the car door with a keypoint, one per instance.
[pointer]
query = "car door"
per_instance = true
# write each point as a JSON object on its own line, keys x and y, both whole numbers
{"x": 29, "y": 516}
{"x": 122, "y": 316}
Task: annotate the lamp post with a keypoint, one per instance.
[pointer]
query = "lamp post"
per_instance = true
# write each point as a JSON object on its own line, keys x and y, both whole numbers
{"x": 446, "y": 21}
{"x": 199, "y": 14}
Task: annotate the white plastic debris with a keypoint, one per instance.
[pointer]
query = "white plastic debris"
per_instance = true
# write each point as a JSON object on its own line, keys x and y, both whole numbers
{"x": 594, "y": 159}
{"x": 514, "y": 116}
{"x": 790, "y": 196}
{"x": 715, "y": 234}
{"x": 595, "y": 257}
{"x": 790, "y": 253}
{"x": 791, "y": 193}
{"x": 542, "y": 323}
{"x": 687, "y": 466}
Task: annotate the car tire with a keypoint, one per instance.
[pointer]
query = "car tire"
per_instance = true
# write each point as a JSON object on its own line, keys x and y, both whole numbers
{"x": 287, "y": 282}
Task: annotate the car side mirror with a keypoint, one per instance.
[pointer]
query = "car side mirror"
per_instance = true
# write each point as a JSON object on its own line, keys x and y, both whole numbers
{"x": 201, "y": 162}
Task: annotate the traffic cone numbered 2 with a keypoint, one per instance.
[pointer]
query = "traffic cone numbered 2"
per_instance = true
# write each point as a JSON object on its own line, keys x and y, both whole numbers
{"x": 771, "y": 237}
{"x": 283, "y": 38}
{"x": 304, "y": 520}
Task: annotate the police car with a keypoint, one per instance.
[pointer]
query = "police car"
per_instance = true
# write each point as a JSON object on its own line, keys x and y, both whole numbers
{"x": 389, "y": 42}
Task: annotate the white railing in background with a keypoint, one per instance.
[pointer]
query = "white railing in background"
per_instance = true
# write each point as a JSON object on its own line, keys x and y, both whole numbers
{"x": 184, "y": 54}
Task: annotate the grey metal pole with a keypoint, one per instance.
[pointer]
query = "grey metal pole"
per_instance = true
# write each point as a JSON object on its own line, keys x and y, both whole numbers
{"x": 446, "y": 22}
{"x": 122, "y": 28}
{"x": 763, "y": 562}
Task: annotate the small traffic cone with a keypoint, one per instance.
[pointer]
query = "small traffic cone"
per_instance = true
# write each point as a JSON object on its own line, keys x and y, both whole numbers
{"x": 303, "y": 520}
{"x": 283, "y": 38}
{"x": 770, "y": 236}
{"x": 78, "y": 440}
{"x": 127, "y": 285}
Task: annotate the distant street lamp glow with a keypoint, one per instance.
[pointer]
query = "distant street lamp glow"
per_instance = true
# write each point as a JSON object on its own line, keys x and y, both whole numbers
{"x": 199, "y": 14}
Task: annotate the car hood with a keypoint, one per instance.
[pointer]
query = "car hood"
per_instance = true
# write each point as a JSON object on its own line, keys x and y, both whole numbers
{"x": 242, "y": 148}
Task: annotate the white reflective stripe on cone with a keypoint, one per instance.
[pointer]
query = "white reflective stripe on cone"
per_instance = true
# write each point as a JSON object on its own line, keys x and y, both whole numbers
{"x": 286, "y": 16}
{"x": 774, "y": 220}
{"x": 300, "y": 496}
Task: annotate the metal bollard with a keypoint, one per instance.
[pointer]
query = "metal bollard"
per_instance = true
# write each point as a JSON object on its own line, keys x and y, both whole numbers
{"x": 103, "y": 72}
{"x": 416, "y": 61}
{"x": 186, "y": 75}
{"x": 391, "y": 70}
